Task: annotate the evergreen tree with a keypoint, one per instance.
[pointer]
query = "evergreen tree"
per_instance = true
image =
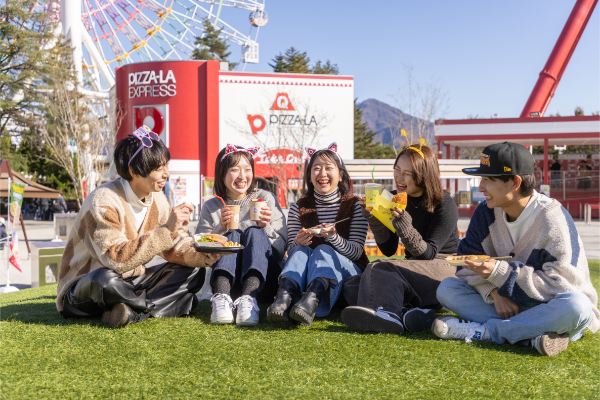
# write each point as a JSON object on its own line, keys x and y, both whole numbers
{"x": 364, "y": 147}
{"x": 212, "y": 48}
{"x": 25, "y": 66}
{"x": 327, "y": 68}
{"x": 292, "y": 61}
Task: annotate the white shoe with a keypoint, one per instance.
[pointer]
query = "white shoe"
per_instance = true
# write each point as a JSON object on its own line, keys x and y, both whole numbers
{"x": 247, "y": 311}
{"x": 550, "y": 343}
{"x": 221, "y": 309}
{"x": 451, "y": 328}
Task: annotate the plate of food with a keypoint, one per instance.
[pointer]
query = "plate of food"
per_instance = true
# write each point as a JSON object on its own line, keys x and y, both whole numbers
{"x": 212, "y": 243}
{"x": 325, "y": 227}
{"x": 459, "y": 261}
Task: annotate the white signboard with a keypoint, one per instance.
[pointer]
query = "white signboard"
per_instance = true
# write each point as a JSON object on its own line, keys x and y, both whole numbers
{"x": 577, "y": 156}
{"x": 290, "y": 111}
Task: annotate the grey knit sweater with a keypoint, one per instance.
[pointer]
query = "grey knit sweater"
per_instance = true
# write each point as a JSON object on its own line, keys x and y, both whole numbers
{"x": 276, "y": 229}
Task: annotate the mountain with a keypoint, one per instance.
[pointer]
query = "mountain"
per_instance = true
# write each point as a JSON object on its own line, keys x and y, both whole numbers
{"x": 385, "y": 119}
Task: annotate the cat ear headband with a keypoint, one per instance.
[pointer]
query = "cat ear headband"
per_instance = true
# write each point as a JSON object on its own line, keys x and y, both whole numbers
{"x": 332, "y": 147}
{"x": 230, "y": 149}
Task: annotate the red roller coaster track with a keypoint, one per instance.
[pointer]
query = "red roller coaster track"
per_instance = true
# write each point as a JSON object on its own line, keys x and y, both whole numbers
{"x": 559, "y": 59}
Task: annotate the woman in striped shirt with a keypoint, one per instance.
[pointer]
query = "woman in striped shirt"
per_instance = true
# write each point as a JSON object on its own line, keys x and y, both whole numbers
{"x": 318, "y": 263}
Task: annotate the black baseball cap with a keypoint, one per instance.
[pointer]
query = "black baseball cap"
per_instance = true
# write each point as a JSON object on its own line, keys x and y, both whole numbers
{"x": 506, "y": 158}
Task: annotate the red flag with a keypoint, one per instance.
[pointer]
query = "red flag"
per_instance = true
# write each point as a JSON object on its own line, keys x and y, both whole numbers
{"x": 14, "y": 247}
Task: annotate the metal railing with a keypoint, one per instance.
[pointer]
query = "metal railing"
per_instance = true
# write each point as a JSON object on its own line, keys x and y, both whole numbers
{"x": 571, "y": 183}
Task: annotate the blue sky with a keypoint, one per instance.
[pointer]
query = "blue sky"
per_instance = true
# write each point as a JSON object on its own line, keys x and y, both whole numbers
{"x": 487, "y": 55}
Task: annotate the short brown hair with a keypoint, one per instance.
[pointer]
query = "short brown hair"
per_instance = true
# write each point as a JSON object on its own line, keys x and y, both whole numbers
{"x": 222, "y": 165}
{"x": 426, "y": 174}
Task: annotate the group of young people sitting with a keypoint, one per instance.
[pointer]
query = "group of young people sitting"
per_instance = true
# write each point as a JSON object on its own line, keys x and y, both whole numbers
{"x": 542, "y": 297}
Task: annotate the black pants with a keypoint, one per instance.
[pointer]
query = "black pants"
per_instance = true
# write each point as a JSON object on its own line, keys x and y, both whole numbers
{"x": 398, "y": 284}
{"x": 166, "y": 290}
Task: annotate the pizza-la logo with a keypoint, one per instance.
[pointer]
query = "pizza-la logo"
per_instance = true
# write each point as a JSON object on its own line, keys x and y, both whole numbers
{"x": 484, "y": 159}
{"x": 282, "y": 103}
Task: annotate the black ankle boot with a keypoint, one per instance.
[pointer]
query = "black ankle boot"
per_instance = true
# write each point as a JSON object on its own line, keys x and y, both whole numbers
{"x": 287, "y": 294}
{"x": 304, "y": 311}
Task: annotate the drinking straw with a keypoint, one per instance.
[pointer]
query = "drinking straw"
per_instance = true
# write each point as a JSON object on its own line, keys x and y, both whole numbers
{"x": 224, "y": 205}
{"x": 373, "y": 174}
{"x": 255, "y": 191}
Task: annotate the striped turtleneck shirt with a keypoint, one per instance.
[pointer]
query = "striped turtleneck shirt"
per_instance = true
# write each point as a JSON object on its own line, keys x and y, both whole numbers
{"x": 327, "y": 208}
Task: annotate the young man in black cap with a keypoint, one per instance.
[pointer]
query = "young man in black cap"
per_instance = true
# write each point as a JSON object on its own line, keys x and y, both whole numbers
{"x": 543, "y": 296}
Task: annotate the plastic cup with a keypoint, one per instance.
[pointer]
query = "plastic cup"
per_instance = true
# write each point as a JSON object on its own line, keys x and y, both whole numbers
{"x": 372, "y": 190}
{"x": 235, "y": 219}
{"x": 255, "y": 207}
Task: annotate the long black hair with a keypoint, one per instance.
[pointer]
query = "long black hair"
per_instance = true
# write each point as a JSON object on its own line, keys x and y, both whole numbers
{"x": 344, "y": 185}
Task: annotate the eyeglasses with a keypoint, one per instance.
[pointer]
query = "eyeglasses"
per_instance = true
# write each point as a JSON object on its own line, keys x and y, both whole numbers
{"x": 146, "y": 136}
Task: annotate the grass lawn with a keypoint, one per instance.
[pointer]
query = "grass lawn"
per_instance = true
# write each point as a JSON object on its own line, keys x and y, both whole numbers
{"x": 45, "y": 356}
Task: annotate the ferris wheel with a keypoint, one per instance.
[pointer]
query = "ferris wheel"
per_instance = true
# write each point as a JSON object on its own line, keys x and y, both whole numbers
{"x": 106, "y": 34}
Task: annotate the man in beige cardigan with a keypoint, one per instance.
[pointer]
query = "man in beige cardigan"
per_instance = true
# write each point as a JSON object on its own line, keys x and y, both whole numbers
{"x": 121, "y": 226}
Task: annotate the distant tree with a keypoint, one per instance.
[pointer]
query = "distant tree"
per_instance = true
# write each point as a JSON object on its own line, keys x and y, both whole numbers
{"x": 29, "y": 52}
{"x": 212, "y": 48}
{"x": 578, "y": 111}
{"x": 418, "y": 106}
{"x": 292, "y": 61}
{"x": 364, "y": 147}
{"x": 326, "y": 68}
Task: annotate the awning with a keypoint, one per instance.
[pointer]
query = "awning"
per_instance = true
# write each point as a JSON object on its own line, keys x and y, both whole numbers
{"x": 32, "y": 189}
{"x": 360, "y": 169}
{"x": 579, "y": 130}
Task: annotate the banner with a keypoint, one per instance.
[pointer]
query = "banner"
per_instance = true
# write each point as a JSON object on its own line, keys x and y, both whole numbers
{"x": 16, "y": 200}
{"x": 14, "y": 248}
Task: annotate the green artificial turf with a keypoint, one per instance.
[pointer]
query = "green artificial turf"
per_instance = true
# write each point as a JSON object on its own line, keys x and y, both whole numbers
{"x": 45, "y": 356}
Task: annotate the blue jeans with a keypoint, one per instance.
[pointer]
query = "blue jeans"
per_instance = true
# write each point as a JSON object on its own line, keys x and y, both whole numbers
{"x": 569, "y": 312}
{"x": 305, "y": 264}
{"x": 257, "y": 255}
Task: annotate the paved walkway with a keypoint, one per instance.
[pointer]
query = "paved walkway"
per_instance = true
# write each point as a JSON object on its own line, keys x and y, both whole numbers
{"x": 43, "y": 231}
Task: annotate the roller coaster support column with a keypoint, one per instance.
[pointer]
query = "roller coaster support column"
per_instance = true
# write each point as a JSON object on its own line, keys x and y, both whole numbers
{"x": 559, "y": 59}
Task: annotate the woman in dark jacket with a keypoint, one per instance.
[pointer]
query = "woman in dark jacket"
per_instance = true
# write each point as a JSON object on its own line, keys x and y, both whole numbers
{"x": 394, "y": 295}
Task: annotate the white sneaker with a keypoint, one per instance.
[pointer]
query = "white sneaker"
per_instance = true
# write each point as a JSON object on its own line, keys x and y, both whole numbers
{"x": 247, "y": 311}
{"x": 451, "y": 328}
{"x": 221, "y": 309}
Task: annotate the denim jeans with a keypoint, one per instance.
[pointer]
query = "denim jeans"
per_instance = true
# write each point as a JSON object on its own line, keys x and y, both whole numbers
{"x": 569, "y": 312}
{"x": 305, "y": 264}
{"x": 257, "y": 255}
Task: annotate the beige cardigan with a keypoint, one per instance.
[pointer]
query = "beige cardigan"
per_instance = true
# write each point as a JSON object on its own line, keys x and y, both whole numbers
{"x": 104, "y": 236}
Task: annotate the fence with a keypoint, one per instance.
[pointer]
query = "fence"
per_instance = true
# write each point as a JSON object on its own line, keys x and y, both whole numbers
{"x": 571, "y": 183}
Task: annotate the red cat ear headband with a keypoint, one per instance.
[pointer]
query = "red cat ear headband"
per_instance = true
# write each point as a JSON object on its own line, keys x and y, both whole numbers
{"x": 230, "y": 149}
{"x": 332, "y": 147}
